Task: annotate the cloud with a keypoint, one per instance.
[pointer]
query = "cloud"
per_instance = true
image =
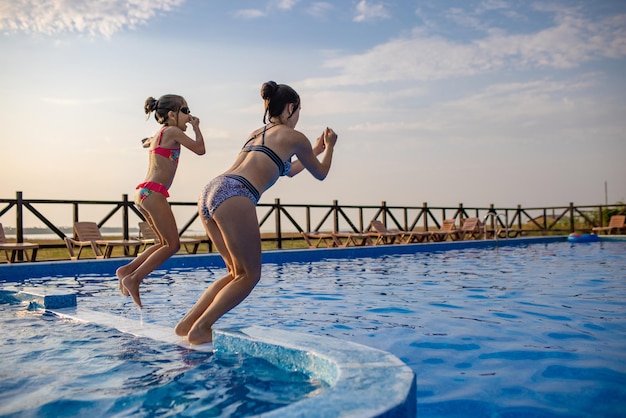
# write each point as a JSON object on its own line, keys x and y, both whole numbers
{"x": 250, "y": 13}
{"x": 366, "y": 11}
{"x": 571, "y": 42}
{"x": 284, "y": 4}
{"x": 320, "y": 8}
{"x": 92, "y": 17}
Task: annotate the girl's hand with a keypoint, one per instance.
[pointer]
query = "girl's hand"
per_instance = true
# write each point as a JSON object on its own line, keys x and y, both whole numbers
{"x": 146, "y": 142}
{"x": 319, "y": 146}
{"x": 194, "y": 121}
{"x": 330, "y": 138}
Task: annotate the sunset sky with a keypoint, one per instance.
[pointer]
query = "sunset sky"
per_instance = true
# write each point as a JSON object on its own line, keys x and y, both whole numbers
{"x": 479, "y": 102}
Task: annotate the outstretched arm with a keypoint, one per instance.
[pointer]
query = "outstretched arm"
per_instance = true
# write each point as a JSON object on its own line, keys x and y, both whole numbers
{"x": 318, "y": 148}
{"x": 307, "y": 157}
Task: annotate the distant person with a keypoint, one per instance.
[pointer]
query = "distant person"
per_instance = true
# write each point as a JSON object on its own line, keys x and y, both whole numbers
{"x": 173, "y": 113}
{"x": 227, "y": 205}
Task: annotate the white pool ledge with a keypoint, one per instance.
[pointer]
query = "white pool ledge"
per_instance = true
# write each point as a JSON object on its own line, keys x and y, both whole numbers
{"x": 363, "y": 382}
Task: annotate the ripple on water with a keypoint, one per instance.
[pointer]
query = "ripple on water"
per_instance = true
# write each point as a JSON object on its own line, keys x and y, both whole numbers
{"x": 536, "y": 330}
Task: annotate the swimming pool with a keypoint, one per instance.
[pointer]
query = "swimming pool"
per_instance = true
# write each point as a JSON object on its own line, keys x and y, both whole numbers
{"x": 524, "y": 330}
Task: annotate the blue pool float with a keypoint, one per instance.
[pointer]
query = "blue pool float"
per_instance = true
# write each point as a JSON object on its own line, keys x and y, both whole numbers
{"x": 576, "y": 237}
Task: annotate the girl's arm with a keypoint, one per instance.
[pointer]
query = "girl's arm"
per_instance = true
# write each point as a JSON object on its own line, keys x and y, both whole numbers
{"x": 196, "y": 146}
{"x": 297, "y": 166}
{"x": 307, "y": 157}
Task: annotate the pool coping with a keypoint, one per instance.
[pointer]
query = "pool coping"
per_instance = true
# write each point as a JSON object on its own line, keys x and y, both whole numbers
{"x": 65, "y": 268}
{"x": 363, "y": 381}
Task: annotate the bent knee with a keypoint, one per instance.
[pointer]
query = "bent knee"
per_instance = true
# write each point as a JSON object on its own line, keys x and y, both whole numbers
{"x": 172, "y": 247}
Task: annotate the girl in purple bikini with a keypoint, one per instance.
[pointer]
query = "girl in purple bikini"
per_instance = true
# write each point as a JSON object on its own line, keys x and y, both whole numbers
{"x": 173, "y": 113}
{"x": 227, "y": 205}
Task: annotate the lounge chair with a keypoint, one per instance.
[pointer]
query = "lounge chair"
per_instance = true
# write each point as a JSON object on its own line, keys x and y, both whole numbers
{"x": 382, "y": 234}
{"x": 401, "y": 235}
{"x": 448, "y": 229}
{"x": 472, "y": 229}
{"x": 17, "y": 247}
{"x": 616, "y": 223}
{"x": 87, "y": 234}
{"x": 319, "y": 239}
{"x": 356, "y": 239}
{"x": 148, "y": 236}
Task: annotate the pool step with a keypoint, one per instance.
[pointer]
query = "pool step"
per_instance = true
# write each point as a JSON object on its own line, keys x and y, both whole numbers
{"x": 47, "y": 299}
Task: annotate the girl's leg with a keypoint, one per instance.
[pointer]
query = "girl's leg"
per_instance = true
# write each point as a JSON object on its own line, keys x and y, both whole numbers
{"x": 183, "y": 326}
{"x": 127, "y": 269}
{"x": 237, "y": 223}
{"x": 165, "y": 224}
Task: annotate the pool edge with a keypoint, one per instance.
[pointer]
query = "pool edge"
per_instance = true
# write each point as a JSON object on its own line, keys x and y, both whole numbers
{"x": 66, "y": 268}
{"x": 364, "y": 382}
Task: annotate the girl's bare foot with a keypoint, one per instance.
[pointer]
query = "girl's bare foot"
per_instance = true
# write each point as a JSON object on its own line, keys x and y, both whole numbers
{"x": 181, "y": 329}
{"x": 121, "y": 273}
{"x": 198, "y": 335}
{"x": 132, "y": 286}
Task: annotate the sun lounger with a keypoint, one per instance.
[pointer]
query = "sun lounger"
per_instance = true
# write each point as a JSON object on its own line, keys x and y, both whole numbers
{"x": 87, "y": 234}
{"x": 448, "y": 229}
{"x": 355, "y": 239}
{"x": 472, "y": 229}
{"x": 616, "y": 223}
{"x": 16, "y": 247}
{"x": 382, "y": 234}
{"x": 319, "y": 239}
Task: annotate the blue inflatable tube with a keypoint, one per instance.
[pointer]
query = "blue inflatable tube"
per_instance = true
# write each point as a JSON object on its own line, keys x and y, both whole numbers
{"x": 576, "y": 237}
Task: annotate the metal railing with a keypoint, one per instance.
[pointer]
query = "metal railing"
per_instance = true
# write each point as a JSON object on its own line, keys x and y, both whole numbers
{"x": 281, "y": 222}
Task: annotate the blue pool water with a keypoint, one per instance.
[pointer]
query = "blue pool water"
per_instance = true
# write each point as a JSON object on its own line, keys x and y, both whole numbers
{"x": 535, "y": 330}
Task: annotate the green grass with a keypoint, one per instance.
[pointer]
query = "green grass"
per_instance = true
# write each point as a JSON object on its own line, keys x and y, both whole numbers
{"x": 59, "y": 251}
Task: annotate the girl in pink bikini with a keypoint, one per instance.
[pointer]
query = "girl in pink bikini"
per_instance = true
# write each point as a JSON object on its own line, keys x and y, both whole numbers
{"x": 172, "y": 112}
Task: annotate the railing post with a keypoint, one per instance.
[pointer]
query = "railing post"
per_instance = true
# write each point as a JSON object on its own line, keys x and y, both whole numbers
{"x": 19, "y": 217}
{"x": 19, "y": 222}
{"x": 406, "y": 219}
{"x": 425, "y": 212}
{"x": 335, "y": 216}
{"x": 571, "y": 217}
{"x": 460, "y": 213}
{"x": 279, "y": 238}
{"x": 492, "y": 209}
{"x": 125, "y": 220}
{"x": 308, "y": 218}
{"x": 383, "y": 205}
{"x": 361, "y": 218}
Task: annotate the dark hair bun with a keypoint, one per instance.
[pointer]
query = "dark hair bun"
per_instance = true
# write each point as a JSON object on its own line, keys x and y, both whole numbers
{"x": 268, "y": 90}
{"x": 150, "y": 105}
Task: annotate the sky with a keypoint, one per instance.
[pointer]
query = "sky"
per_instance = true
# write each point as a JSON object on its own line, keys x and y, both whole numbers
{"x": 476, "y": 102}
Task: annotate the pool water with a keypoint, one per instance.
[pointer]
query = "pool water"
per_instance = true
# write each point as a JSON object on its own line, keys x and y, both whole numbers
{"x": 533, "y": 330}
{"x": 53, "y": 367}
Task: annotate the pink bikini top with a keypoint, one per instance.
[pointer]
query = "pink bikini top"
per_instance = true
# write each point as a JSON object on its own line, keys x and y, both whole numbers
{"x": 171, "y": 153}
